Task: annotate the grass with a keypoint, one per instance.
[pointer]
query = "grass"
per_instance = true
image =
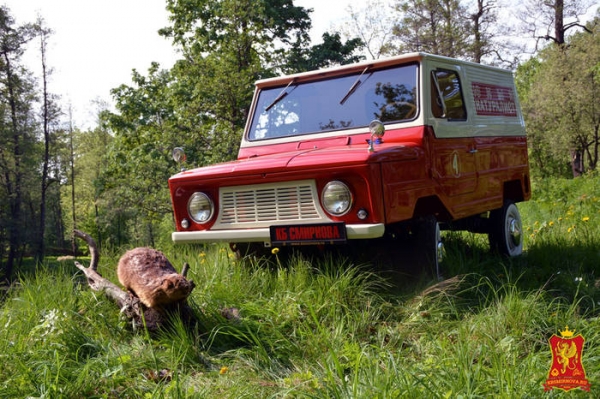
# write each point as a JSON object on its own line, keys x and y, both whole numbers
{"x": 325, "y": 329}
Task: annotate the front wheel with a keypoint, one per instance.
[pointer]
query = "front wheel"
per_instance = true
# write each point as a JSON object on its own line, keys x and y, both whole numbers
{"x": 429, "y": 246}
{"x": 506, "y": 230}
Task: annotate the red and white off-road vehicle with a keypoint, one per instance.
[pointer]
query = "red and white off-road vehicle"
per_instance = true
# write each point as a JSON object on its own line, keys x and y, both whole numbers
{"x": 379, "y": 152}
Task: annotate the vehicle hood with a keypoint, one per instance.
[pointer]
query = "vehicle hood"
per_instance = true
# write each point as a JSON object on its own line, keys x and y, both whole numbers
{"x": 319, "y": 158}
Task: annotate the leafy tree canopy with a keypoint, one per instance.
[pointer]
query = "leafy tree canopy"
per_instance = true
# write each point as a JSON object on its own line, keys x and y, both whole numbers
{"x": 559, "y": 94}
{"x": 331, "y": 52}
{"x": 434, "y": 26}
{"x": 202, "y": 103}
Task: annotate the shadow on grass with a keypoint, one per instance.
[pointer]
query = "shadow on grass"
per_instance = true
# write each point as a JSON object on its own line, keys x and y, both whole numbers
{"x": 564, "y": 270}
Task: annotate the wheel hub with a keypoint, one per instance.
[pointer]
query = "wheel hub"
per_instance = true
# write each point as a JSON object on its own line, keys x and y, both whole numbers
{"x": 514, "y": 232}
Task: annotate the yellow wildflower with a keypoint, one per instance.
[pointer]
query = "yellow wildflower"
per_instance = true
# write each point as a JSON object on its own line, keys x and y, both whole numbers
{"x": 275, "y": 251}
{"x": 223, "y": 370}
{"x": 570, "y": 229}
{"x": 585, "y": 218}
{"x": 551, "y": 223}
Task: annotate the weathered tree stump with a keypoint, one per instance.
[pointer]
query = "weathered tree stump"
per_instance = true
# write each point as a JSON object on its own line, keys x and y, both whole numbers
{"x": 153, "y": 318}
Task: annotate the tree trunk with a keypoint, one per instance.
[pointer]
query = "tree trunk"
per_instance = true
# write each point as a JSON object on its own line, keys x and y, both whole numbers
{"x": 13, "y": 185}
{"x": 60, "y": 227}
{"x": 72, "y": 162}
{"x": 559, "y": 27}
{"x": 576, "y": 163}
{"x": 594, "y": 159}
{"x": 41, "y": 245}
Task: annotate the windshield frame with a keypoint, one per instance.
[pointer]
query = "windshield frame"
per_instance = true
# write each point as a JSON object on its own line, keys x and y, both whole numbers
{"x": 314, "y": 104}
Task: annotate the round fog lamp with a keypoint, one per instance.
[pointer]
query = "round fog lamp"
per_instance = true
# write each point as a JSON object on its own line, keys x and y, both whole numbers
{"x": 336, "y": 198}
{"x": 362, "y": 214}
{"x": 200, "y": 208}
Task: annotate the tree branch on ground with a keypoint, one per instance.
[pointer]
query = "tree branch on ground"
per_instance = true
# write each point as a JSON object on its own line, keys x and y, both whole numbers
{"x": 131, "y": 308}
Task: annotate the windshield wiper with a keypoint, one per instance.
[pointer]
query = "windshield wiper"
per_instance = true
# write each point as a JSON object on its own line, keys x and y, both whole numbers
{"x": 354, "y": 86}
{"x": 280, "y": 96}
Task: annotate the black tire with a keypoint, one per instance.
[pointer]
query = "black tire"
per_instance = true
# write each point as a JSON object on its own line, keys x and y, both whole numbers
{"x": 506, "y": 230}
{"x": 428, "y": 248}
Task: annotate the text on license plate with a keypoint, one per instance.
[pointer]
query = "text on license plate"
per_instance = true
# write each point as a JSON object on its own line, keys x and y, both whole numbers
{"x": 326, "y": 233}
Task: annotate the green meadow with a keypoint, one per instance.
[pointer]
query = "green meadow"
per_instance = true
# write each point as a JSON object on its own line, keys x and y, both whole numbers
{"x": 325, "y": 328}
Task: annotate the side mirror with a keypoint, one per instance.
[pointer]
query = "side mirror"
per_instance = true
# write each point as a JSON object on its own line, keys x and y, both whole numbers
{"x": 179, "y": 156}
{"x": 377, "y": 131}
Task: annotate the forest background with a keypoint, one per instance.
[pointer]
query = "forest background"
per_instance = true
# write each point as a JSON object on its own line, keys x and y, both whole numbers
{"x": 111, "y": 180}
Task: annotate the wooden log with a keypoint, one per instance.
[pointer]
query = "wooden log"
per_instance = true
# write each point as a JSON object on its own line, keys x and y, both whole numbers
{"x": 131, "y": 307}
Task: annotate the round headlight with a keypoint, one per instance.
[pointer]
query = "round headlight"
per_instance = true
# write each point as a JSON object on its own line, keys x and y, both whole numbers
{"x": 200, "y": 208}
{"x": 336, "y": 198}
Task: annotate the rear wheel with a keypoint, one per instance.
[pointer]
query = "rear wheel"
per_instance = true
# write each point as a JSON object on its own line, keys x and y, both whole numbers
{"x": 506, "y": 230}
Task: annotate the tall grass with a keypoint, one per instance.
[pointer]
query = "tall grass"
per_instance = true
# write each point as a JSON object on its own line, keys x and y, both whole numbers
{"x": 325, "y": 328}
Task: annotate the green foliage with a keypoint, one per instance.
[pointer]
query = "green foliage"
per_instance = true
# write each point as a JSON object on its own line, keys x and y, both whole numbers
{"x": 201, "y": 104}
{"x": 20, "y": 149}
{"x": 543, "y": 161}
{"x": 89, "y": 148}
{"x": 326, "y": 328}
{"x": 331, "y": 52}
{"x": 434, "y": 26}
{"x": 227, "y": 45}
{"x": 560, "y": 90}
{"x": 33, "y": 154}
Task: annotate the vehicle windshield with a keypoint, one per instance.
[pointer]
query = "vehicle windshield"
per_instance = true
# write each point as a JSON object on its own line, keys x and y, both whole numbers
{"x": 342, "y": 102}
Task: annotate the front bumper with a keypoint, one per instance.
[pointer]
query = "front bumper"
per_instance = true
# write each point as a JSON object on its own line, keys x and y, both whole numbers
{"x": 353, "y": 232}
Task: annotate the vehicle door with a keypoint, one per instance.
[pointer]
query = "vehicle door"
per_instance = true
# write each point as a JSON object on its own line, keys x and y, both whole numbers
{"x": 453, "y": 149}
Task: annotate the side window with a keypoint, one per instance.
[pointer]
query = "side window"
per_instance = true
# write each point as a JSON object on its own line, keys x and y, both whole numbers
{"x": 446, "y": 95}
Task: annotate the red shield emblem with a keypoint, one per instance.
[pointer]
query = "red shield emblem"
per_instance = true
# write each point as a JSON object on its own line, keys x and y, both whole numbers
{"x": 566, "y": 371}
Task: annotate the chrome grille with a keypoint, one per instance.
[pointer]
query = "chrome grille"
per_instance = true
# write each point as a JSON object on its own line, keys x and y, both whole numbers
{"x": 266, "y": 204}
